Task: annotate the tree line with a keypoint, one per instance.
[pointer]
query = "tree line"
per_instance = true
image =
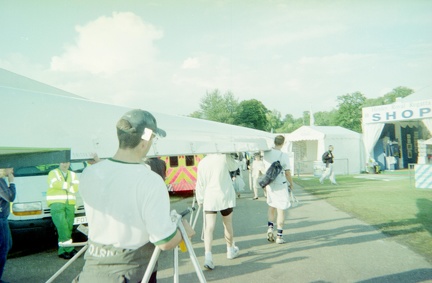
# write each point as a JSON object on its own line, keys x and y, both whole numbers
{"x": 225, "y": 108}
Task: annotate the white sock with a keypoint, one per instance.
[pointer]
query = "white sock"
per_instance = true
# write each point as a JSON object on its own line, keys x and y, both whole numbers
{"x": 208, "y": 255}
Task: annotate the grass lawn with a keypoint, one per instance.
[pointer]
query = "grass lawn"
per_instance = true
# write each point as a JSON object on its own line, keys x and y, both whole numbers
{"x": 387, "y": 201}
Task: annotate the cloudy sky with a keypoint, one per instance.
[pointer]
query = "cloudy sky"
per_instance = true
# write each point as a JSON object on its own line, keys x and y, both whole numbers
{"x": 165, "y": 55}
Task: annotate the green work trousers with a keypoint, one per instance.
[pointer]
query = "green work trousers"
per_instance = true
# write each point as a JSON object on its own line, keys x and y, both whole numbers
{"x": 63, "y": 217}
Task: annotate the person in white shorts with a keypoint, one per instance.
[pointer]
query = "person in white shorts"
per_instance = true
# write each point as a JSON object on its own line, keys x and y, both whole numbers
{"x": 215, "y": 192}
{"x": 328, "y": 158}
{"x": 277, "y": 191}
{"x": 257, "y": 170}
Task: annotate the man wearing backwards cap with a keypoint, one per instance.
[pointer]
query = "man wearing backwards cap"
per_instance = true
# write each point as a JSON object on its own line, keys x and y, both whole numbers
{"x": 127, "y": 207}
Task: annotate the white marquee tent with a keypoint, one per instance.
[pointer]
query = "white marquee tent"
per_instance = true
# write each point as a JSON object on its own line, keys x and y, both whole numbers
{"x": 42, "y": 119}
{"x": 309, "y": 143}
{"x": 410, "y": 119}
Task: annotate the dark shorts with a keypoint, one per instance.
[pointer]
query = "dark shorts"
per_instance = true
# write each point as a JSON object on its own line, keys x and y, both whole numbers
{"x": 224, "y": 212}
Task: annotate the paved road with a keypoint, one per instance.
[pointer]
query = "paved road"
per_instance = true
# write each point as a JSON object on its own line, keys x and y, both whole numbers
{"x": 323, "y": 245}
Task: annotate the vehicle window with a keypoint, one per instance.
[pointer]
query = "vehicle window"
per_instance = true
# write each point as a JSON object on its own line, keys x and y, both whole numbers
{"x": 28, "y": 171}
{"x": 78, "y": 167}
{"x": 190, "y": 160}
{"x": 44, "y": 169}
{"x": 174, "y": 161}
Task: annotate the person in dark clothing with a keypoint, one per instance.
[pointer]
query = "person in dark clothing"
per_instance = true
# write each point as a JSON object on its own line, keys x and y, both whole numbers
{"x": 157, "y": 165}
{"x": 7, "y": 195}
{"x": 328, "y": 157}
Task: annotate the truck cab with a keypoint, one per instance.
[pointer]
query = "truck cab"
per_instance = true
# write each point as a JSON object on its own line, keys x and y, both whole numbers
{"x": 30, "y": 216}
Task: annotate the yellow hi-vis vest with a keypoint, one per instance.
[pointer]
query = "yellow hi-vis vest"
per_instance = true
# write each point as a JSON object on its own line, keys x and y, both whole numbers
{"x": 61, "y": 190}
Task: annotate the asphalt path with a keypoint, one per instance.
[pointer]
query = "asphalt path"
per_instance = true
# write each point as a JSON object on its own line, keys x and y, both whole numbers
{"x": 324, "y": 244}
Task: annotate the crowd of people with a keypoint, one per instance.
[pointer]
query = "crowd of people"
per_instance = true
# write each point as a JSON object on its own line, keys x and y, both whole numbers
{"x": 128, "y": 208}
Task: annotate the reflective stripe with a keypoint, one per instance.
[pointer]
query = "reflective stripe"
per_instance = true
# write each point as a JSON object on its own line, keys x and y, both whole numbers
{"x": 58, "y": 178}
{"x": 61, "y": 197}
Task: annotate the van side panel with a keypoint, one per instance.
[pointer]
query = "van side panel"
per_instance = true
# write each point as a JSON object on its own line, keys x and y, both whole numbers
{"x": 181, "y": 173}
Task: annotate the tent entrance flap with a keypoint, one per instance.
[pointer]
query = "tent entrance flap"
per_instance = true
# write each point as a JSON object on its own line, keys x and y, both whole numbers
{"x": 23, "y": 159}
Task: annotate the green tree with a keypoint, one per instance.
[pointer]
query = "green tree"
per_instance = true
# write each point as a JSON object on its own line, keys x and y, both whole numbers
{"x": 217, "y": 107}
{"x": 196, "y": 114}
{"x": 290, "y": 124}
{"x": 274, "y": 120}
{"x": 325, "y": 118}
{"x": 349, "y": 111}
{"x": 400, "y": 91}
{"x": 388, "y": 98}
{"x": 251, "y": 114}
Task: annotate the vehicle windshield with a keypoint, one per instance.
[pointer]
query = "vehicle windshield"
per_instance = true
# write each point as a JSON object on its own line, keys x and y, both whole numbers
{"x": 44, "y": 169}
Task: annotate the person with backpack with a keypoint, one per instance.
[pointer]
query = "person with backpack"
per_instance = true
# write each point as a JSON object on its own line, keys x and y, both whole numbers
{"x": 277, "y": 190}
{"x": 328, "y": 159}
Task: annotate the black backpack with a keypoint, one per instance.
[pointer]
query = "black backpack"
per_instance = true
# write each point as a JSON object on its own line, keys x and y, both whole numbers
{"x": 324, "y": 157}
{"x": 271, "y": 174}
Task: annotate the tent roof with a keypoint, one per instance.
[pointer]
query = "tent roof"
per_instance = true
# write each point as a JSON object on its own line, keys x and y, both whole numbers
{"x": 14, "y": 81}
{"x": 45, "y": 120}
{"x": 320, "y": 132}
{"x": 416, "y": 97}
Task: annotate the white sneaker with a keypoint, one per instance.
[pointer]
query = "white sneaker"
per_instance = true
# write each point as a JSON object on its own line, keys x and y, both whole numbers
{"x": 270, "y": 235}
{"x": 280, "y": 240}
{"x": 208, "y": 264}
{"x": 233, "y": 252}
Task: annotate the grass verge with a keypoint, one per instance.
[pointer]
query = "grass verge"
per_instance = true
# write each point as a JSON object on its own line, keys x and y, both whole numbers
{"x": 387, "y": 202}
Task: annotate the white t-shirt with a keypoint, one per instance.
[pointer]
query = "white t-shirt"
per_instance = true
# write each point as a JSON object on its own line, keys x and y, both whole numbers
{"x": 214, "y": 187}
{"x": 277, "y": 195}
{"x": 127, "y": 205}
{"x": 272, "y": 156}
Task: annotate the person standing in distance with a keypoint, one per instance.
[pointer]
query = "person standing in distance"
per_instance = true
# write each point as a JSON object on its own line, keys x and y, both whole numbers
{"x": 258, "y": 169}
{"x": 61, "y": 199}
{"x": 7, "y": 195}
{"x": 127, "y": 207}
{"x": 215, "y": 192}
{"x": 277, "y": 191}
{"x": 328, "y": 159}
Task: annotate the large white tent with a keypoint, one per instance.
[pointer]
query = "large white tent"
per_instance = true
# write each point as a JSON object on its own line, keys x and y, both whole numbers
{"x": 391, "y": 132}
{"x": 309, "y": 143}
{"x": 41, "y": 119}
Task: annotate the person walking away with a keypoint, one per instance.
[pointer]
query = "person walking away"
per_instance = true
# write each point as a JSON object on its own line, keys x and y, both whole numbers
{"x": 238, "y": 183}
{"x": 157, "y": 165}
{"x": 127, "y": 207}
{"x": 61, "y": 199}
{"x": 7, "y": 195}
{"x": 328, "y": 159}
{"x": 215, "y": 192}
{"x": 277, "y": 191}
{"x": 258, "y": 169}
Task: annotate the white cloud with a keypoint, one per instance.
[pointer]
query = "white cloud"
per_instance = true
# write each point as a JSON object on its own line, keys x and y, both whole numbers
{"x": 205, "y": 71}
{"x": 290, "y": 57}
{"x": 109, "y": 45}
{"x": 191, "y": 63}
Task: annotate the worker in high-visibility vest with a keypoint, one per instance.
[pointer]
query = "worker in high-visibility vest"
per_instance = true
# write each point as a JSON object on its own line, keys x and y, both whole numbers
{"x": 62, "y": 186}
